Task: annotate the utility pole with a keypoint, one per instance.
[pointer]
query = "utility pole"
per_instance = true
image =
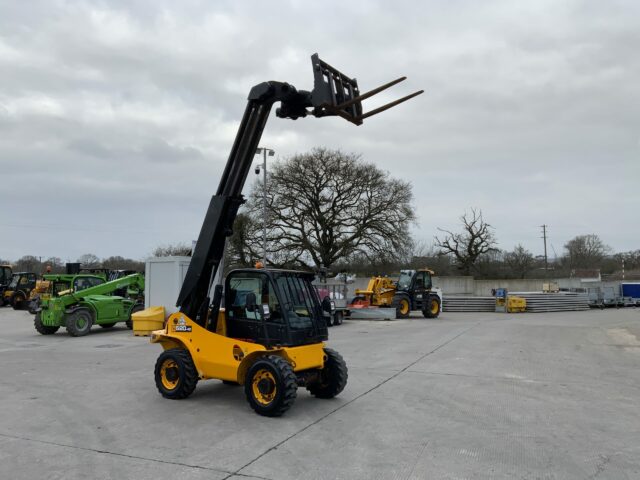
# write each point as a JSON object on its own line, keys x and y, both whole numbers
{"x": 544, "y": 236}
{"x": 263, "y": 166}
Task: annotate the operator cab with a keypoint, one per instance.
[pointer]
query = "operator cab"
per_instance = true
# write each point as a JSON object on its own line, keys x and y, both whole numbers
{"x": 273, "y": 307}
{"x": 5, "y": 274}
{"x": 412, "y": 280}
{"x": 21, "y": 280}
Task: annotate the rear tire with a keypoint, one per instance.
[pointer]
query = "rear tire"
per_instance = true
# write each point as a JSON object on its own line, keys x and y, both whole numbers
{"x": 136, "y": 308}
{"x": 271, "y": 386}
{"x": 107, "y": 325}
{"x": 432, "y": 309}
{"x": 337, "y": 318}
{"x": 18, "y": 301}
{"x": 43, "y": 329}
{"x": 333, "y": 377}
{"x": 79, "y": 323}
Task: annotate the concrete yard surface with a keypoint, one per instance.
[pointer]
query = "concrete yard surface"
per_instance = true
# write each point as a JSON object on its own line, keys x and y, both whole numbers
{"x": 464, "y": 396}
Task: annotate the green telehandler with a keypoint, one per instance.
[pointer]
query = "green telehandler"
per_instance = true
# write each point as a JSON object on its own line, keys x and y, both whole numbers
{"x": 52, "y": 284}
{"x": 78, "y": 310}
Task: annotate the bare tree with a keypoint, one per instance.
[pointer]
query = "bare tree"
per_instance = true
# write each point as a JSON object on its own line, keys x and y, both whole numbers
{"x": 241, "y": 245}
{"x": 54, "y": 265}
{"x": 475, "y": 240}
{"x": 631, "y": 259}
{"x": 586, "y": 251}
{"x": 28, "y": 263}
{"x": 326, "y": 205}
{"x": 521, "y": 261}
{"x": 89, "y": 260}
{"x": 172, "y": 249}
{"x": 120, "y": 263}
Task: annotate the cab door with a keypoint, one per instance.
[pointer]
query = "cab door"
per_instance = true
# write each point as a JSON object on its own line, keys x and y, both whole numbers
{"x": 252, "y": 309}
{"x": 421, "y": 288}
{"x": 27, "y": 283}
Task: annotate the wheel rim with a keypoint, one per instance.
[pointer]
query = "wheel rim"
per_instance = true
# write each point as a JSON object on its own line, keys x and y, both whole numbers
{"x": 404, "y": 306}
{"x": 434, "y": 307}
{"x": 81, "y": 323}
{"x": 263, "y": 386}
{"x": 169, "y": 374}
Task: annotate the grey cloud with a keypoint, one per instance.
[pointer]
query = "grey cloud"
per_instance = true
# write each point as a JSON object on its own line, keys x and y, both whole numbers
{"x": 530, "y": 111}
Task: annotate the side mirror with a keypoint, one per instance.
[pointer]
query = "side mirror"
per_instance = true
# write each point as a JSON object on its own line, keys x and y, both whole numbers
{"x": 328, "y": 305}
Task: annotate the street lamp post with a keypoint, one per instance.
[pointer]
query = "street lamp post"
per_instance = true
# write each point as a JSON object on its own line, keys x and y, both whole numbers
{"x": 263, "y": 165}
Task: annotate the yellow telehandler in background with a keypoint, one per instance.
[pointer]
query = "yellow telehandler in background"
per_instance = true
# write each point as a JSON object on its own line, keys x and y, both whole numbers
{"x": 412, "y": 291}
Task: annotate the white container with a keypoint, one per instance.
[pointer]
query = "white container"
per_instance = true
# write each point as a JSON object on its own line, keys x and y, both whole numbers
{"x": 163, "y": 281}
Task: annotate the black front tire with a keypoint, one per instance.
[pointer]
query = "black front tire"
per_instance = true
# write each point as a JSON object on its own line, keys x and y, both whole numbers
{"x": 271, "y": 386}
{"x": 333, "y": 377}
{"x": 79, "y": 323}
{"x": 175, "y": 373}
{"x": 43, "y": 329}
{"x": 402, "y": 304}
{"x": 337, "y": 318}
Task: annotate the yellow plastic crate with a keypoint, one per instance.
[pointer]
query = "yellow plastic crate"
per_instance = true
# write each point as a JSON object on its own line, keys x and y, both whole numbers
{"x": 146, "y": 321}
{"x": 516, "y": 304}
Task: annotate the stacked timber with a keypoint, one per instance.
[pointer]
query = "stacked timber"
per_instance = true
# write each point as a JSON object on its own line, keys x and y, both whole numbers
{"x": 468, "y": 303}
{"x": 554, "y": 302}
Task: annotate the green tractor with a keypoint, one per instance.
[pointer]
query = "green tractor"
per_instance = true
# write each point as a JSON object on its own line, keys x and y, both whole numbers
{"x": 19, "y": 289}
{"x": 79, "y": 309}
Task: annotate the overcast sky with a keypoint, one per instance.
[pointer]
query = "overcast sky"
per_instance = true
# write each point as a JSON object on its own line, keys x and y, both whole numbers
{"x": 116, "y": 118}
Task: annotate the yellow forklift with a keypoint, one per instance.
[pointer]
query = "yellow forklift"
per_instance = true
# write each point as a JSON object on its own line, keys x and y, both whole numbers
{"x": 260, "y": 328}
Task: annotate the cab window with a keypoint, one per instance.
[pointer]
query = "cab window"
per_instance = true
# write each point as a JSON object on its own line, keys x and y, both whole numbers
{"x": 244, "y": 284}
{"x": 83, "y": 283}
{"x": 298, "y": 299}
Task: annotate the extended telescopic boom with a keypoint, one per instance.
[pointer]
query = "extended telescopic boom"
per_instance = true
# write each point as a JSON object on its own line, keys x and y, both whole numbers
{"x": 333, "y": 94}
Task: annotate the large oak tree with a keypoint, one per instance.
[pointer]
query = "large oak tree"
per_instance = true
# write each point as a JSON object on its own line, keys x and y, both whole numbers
{"x": 326, "y": 205}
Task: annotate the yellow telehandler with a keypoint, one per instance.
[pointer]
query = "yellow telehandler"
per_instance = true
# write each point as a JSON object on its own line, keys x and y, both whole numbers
{"x": 270, "y": 335}
{"x": 412, "y": 291}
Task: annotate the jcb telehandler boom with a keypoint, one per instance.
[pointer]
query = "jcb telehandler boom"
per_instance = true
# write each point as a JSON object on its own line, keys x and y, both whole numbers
{"x": 269, "y": 337}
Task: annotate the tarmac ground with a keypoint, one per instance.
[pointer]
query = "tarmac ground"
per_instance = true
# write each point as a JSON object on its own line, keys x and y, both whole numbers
{"x": 464, "y": 396}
